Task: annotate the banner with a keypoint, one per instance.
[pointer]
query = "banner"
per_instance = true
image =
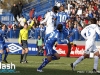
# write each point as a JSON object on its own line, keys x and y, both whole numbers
{"x": 15, "y": 48}
{"x": 77, "y": 51}
{"x": 62, "y": 50}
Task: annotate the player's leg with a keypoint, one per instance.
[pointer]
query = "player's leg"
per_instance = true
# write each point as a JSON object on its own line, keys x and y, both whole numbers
{"x": 73, "y": 65}
{"x": 55, "y": 55}
{"x": 6, "y": 53}
{"x": 22, "y": 55}
{"x": 46, "y": 60}
{"x": 24, "y": 51}
{"x": 25, "y": 55}
{"x": 96, "y": 58}
{"x": 85, "y": 55}
{"x": 44, "y": 63}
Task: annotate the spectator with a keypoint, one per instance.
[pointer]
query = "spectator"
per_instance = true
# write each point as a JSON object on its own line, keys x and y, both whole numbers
{"x": 19, "y": 26}
{"x": 40, "y": 45}
{"x": 20, "y": 7}
{"x": 37, "y": 32}
{"x": 0, "y": 23}
{"x": 29, "y": 21}
{"x": 14, "y": 11}
{"x": 32, "y": 33}
{"x": 42, "y": 31}
{"x": 14, "y": 33}
{"x": 22, "y": 20}
{"x": 31, "y": 13}
{"x": 79, "y": 12}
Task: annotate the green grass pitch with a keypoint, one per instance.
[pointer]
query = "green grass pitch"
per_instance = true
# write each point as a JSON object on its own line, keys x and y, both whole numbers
{"x": 58, "y": 67}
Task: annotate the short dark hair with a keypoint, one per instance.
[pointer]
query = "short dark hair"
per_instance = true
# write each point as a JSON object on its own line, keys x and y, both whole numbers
{"x": 3, "y": 25}
{"x": 25, "y": 23}
{"x": 55, "y": 8}
{"x": 93, "y": 21}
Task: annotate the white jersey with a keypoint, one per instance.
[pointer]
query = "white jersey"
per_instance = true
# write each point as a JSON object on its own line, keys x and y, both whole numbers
{"x": 49, "y": 19}
{"x": 22, "y": 21}
{"x": 90, "y": 32}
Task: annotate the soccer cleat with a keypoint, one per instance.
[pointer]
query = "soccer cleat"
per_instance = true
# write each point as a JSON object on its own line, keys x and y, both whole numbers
{"x": 94, "y": 71}
{"x": 25, "y": 62}
{"x": 39, "y": 70}
{"x": 21, "y": 62}
{"x": 43, "y": 59}
{"x": 73, "y": 68}
{"x": 5, "y": 61}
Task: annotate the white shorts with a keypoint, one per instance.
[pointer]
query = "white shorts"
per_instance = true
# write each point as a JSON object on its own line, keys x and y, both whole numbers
{"x": 90, "y": 47}
{"x": 49, "y": 30}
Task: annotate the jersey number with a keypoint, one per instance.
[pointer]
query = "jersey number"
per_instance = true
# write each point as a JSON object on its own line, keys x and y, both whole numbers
{"x": 63, "y": 18}
{"x": 53, "y": 35}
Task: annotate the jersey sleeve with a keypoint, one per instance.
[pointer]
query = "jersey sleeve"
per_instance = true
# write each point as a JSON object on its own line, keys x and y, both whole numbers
{"x": 29, "y": 27}
{"x": 97, "y": 30}
{"x": 46, "y": 18}
{"x": 83, "y": 33}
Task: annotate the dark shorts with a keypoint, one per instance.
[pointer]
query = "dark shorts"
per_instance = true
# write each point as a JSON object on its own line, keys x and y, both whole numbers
{"x": 3, "y": 46}
{"x": 49, "y": 50}
{"x": 24, "y": 44}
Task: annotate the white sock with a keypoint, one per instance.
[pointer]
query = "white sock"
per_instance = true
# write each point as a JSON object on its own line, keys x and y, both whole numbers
{"x": 96, "y": 58}
{"x": 78, "y": 60}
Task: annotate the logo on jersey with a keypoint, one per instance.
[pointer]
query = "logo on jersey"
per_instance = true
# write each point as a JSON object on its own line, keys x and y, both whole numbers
{"x": 14, "y": 48}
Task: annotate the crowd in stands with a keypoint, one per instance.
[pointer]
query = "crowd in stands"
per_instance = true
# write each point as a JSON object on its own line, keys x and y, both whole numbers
{"x": 79, "y": 11}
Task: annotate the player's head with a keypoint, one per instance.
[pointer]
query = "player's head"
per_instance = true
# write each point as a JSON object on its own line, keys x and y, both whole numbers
{"x": 93, "y": 21}
{"x": 61, "y": 8}
{"x": 59, "y": 27}
{"x": 55, "y": 9}
{"x": 25, "y": 25}
{"x": 3, "y": 26}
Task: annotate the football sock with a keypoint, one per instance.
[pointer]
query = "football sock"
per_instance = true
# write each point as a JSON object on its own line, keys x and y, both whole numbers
{"x": 96, "y": 58}
{"x": 6, "y": 54}
{"x": 0, "y": 57}
{"x": 43, "y": 64}
{"x": 54, "y": 58}
{"x": 22, "y": 55}
{"x": 25, "y": 56}
{"x": 78, "y": 60}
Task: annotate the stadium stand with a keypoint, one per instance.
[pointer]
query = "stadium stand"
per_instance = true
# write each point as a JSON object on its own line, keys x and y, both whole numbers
{"x": 91, "y": 9}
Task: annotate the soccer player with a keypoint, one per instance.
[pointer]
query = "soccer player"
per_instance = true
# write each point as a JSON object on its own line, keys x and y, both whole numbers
{"x": 3, "y": 45}
{"x": 89, "y": 34}
{"x": 50, "y": 20}
{"x": 61, "y": 18}
{"x": 51, "y": 53}
{"x": 23, "y": 37}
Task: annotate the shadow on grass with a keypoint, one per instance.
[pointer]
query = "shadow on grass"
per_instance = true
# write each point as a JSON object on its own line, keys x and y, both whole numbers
{"x": 32, "y": 71}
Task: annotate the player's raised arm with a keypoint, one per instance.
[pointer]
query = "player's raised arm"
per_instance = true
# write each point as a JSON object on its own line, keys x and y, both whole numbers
{"x": 19, "y": 39}
{"x": 46, "y": 18}
{"x": 31, "y": 24}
